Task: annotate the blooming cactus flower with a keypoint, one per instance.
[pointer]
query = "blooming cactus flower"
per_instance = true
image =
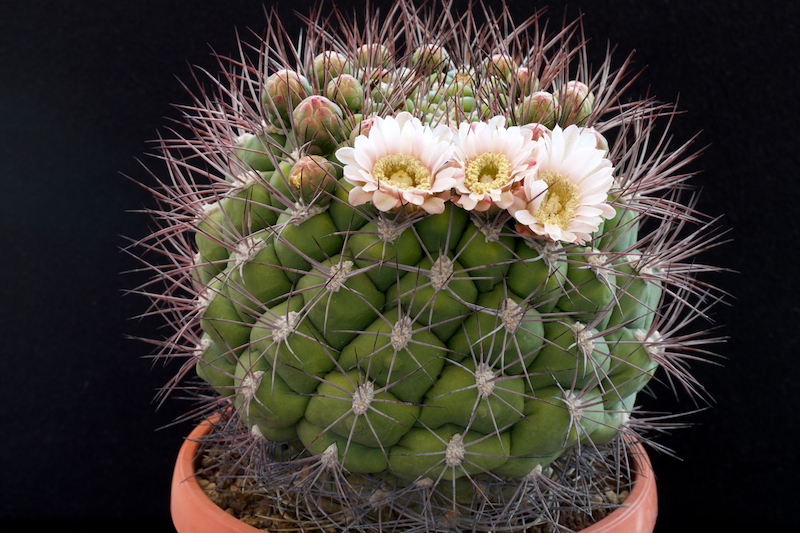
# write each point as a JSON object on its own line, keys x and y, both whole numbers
{"x": 491, "y": 158}
{"x": 566, "y": 199}
{"x": 400, "y": 163}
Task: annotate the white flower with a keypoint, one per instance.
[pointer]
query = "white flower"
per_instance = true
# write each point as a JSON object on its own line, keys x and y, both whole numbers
{"x": 400, "y": 164}
{"x": 566, "y": 198}
{"x": 491, "y": 158}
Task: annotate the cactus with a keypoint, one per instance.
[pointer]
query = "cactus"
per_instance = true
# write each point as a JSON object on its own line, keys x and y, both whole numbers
{"x": 424, "y": 287}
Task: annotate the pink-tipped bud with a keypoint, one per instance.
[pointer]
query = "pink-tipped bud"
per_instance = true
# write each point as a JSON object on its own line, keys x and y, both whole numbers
{"x": 362, "y": 128}
{"x": 537, "y": 130}
{"x": 313, "y": 179}
{"x": 318, "y": 121}
{"x": 576, "y": 103}
{"x": 539, "y": 108}
{"x": 602, "y": 142}
{"x": 283, "y": 90}
{"x": 526, "y": 81}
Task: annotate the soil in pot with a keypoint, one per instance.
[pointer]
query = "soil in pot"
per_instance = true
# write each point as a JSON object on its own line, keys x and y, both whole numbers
{"x": 236, "y": 497}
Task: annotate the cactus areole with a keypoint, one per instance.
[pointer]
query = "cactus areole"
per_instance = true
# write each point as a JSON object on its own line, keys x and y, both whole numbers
{"x": 422, "y": 272}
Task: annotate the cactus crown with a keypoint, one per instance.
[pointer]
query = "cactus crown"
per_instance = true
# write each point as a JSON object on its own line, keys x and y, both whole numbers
{"x": 425, "y": 267}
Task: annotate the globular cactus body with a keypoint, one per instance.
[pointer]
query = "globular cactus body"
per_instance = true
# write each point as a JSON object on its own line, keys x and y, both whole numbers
{"x": 429, "y": 321}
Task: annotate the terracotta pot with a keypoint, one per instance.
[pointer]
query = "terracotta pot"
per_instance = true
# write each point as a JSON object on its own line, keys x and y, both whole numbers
{"x": 193, "y": 512}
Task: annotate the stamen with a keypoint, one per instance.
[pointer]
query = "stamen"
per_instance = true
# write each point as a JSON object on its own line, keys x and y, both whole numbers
{"x": 560, "y": 201}
{"x": 487, "y": 172}
{"x": 402, "y": 171}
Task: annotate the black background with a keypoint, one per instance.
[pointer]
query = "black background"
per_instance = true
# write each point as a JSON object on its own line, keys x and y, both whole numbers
{"x": 84, "y": 85}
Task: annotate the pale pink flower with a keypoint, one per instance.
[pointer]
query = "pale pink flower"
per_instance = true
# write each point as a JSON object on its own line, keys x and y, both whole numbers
{"x": 566, "y": 199}
{"x": 400, "y": 164}
{"x": 491, "y": 159}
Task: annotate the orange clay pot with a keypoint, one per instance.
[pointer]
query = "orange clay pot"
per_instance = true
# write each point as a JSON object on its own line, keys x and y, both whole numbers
{"x": 193, "y": 512}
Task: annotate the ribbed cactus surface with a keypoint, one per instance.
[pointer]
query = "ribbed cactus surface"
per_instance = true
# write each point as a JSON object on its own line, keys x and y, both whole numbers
{"x": 436, "y": 263}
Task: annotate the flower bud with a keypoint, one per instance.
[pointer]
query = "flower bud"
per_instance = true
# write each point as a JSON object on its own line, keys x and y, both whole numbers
{"x": 318, "y": 121}
{"x": 362, "y": 128}
{"x": 372, "y": 56}
{"x": 575, "y": 104}
{"x": 602, "y": 142}
{"x": 500, "y": 65}
{"x": 526, "y": 81}
{"x": 328, "y": 65}
{"x": 538, "y": 131}
{"x": 282, "y": 92}
{"x": 346, "y": 91}
{"x": 430, "y": 58}
{"x": 313, "y": 179}
{"x": 540, "y": 108}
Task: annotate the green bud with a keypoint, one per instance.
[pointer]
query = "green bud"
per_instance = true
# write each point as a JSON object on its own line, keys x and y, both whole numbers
{"x": 329, "y": 65}
{"x": 500, "y": 65}
{"x": 346, "y": 91}
{"x": 372, "y": 56}
{"x": 430, "y": 57}
{"x": 459, "y": 88}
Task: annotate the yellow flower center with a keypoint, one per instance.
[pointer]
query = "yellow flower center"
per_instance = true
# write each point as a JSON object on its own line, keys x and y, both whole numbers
{"x": 487, "y": 172}
{"x": 402, "y": 171}
{"x": 560, "y": 200}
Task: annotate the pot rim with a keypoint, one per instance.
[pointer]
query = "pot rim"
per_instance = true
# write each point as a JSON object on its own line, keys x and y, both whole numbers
{"x": 192, "y": 511}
